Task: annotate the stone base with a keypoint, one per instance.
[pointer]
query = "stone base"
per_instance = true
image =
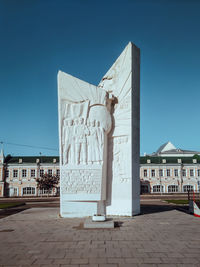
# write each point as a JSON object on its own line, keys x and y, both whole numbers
{"x": 76, "y": 209}
{"x": 109, "y": 224}
{"x": 98, "y": 218}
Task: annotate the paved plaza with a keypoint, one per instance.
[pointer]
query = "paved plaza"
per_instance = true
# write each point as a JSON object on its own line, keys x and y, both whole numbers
{"x": 39, "y": 237}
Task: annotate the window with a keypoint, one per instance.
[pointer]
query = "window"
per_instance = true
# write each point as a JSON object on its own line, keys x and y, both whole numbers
{"x": 45, "y": 191}
{"x": 184, "y": 172}
{"x": 145, "y": 172}
{"x": 199, "y": 186}
{"x": 15, "y": 191}
{"x": 28, "y": 191}
{"x": 191, "y": 172}
{"x": 168, "y": 172}
{"x": 49, "y": 172}
{"x": 7, "y": 173}
{"x": 175, "y": 172}
{"x": 144, "y": 188}
{"x": 187, "y": 188}
{"x": 23, "y": 173}
{"x": 32, "y": 173}
{"x": 161, "y": 172}
{"x": 15, "y": 173}
{"x": 153, "y": 173}
{"x": 58, "y": 172}
{"x": 172, "y": 188}
{"x": 58, "y": 191}
{"x": 157, "y": 188}
{"x": 41, "y": 173}
{"x": 198, "y": 172}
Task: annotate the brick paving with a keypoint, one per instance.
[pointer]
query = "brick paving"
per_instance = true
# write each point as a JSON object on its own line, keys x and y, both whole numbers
{"x": 39, "y": 237}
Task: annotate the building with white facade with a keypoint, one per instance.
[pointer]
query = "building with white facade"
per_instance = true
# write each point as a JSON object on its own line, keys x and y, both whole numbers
{"x": 170, "y": 170}
{"x": 18, "y": 175}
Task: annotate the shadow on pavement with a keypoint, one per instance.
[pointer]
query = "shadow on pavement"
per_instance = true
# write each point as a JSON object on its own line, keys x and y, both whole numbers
{"x": 7, "y": 212}
{"x": 145, "y": 208}
{"x": 152, "y": 208}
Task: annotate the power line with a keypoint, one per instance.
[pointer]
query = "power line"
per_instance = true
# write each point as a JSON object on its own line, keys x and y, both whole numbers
{"x": 41, "y": 147}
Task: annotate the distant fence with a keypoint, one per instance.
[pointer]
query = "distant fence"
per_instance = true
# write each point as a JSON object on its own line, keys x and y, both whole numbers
{"x": 194, "y": 195}
{"x": 194, "y": 202}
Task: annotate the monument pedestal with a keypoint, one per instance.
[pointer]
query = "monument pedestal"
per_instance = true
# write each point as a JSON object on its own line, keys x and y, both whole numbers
{"x": 89, "y": 224}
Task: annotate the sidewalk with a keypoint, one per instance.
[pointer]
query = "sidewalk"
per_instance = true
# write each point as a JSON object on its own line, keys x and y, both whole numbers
{"x": 39, "y": 237}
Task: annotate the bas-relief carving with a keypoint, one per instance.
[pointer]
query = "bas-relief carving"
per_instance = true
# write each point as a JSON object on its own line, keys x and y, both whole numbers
{"x": 122, "y": 145}
{"x": 85, "y": 121}
{"x": 81, "y": 181}
{"x": 82, "y": 142}
{"x": 96, "y": 133}
{"x": 83, "y": 137}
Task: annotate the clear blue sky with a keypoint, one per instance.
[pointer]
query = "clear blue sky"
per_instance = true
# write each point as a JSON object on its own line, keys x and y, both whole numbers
{"x": 84, "y": 38}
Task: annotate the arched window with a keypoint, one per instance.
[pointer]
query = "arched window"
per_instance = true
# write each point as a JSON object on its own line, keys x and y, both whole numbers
{"x": 188, "y": 188}
{"x": 172, "y": 188}
{"x": 29, "y": 191}
{"x": 157, "y": 188}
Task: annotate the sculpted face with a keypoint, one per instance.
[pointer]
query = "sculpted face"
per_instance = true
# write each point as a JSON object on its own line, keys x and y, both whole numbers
{"x": 81, "y": 120}
{"x": 76, "y": 121}
{"x": 65, "y": 122}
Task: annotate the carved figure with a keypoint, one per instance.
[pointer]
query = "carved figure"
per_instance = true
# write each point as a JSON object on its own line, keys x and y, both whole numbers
{"x": 83, "y": 142}
{"x": 96, "y": 179}
{"x": 67, "y": 141}
{"x": 90, "y": 147}
{"x": 100, "y": 139}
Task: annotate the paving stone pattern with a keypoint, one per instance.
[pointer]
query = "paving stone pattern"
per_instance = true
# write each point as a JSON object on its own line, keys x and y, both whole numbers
{"x": 38, "y": 237}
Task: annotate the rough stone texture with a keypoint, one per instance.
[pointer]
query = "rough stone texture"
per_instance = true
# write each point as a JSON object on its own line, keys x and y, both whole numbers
{"x": 38, "y": 237}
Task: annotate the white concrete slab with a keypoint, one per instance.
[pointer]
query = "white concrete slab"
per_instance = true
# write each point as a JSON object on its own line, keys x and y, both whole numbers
{"x": 89, "y": 224}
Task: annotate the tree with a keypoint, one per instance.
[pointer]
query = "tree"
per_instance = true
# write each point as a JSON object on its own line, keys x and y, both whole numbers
{"x": 47, "y": 182}
{"x": 197, "y": 157}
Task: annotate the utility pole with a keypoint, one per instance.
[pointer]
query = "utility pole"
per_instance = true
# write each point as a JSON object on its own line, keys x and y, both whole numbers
{"x": 161, "y": 189}
{"x": 181, "y": 177}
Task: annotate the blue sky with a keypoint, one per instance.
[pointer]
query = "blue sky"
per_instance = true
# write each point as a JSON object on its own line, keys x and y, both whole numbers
{"x": 84, "y": 38}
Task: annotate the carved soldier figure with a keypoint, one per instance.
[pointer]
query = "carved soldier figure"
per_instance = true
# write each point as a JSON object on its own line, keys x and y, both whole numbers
{"x": 100, "y": 139}
{"x": 93, "y": 153}
{"x": 83, "y": 131}
{"x": 89, "y": 144}
{"x": 66, "y": 141}
{"x": 80, "y": 131}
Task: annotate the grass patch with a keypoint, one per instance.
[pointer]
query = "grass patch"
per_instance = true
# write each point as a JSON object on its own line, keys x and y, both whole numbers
{"x": 177, "y": 201}
{"x": 11, "y": 205}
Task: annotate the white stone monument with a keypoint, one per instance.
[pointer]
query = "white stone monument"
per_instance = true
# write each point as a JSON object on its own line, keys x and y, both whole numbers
{"x": 99, "y": 129}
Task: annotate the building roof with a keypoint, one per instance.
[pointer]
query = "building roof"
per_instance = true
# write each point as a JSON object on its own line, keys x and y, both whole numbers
{"x": 30, "y": 159}
{"x": 165, "y": 147}
{"x": 169, "y": 160}
{"x": 143, "y": 160}
{"x": 168, "y": 149}
{"x": 180, "y": 151}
